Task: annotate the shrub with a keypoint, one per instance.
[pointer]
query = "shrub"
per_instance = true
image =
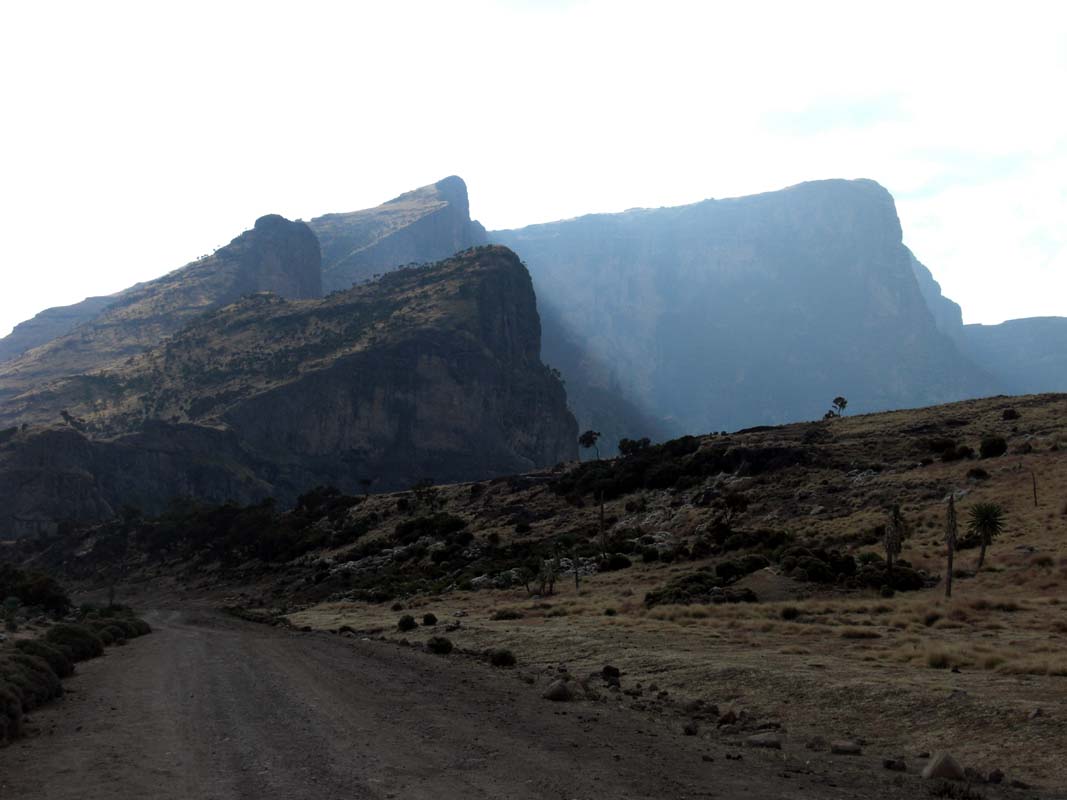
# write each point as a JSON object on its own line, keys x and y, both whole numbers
{"x": 77, "y": 642}
{"x": 1010, "y": 414}
{"x": 407, "y": 623}
{"x": 505, "y": 614}
{"x": 118, "y": 635}
{"x": 501, "y": 658}
{"x": 429, "y": 619}
{"x": 435, "y": 526}
{"x": 55, "y": 657}
{"x": 649, "y": 554}
{"x": 790, "y": 613}
{"x": 439, "y": 645}
{"x": 610, "y": 612}
{"x": 993, "y": 447}
{"x": 615, "y": 561}
{"x": 977, "y": 474}
{"x": 30, "y": 679}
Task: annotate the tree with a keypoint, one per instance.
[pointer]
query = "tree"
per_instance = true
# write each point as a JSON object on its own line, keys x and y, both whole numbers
{"x": 839, "y": 405}
{"x": 628, "y": 447}
{"x": 987, "y": 523}
{"x": 896, "y": 531}
{"x": 951, "y": 530}
{"x": 589, "y": 440}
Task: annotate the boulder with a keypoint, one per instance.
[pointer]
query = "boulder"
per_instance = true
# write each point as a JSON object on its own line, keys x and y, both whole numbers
{"x": 558, "y": 692}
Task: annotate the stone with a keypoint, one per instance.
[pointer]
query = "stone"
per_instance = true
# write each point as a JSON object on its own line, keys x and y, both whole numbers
{"x": 558, "y": 692}
{"x": 771, "y": 740}
{"x": 845, "y": 747}
{"x": 944, "y": 767}
{"x": 728, "y": 718}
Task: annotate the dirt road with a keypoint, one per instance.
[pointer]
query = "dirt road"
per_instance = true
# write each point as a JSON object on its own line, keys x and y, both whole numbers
{"x": 209, "y": 707}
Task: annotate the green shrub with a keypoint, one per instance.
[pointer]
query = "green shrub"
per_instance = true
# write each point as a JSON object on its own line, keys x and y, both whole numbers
{"x": 30, "y": 678}
{"x": 407, "y": 623}
{"x": 429, "y": 619}
{"x": 993, "y": 447}
{"x": 502, "y": 658}
{"x": 439, "y": 645}
{"x": 56, "y": 658}
{"x": 76, "y": 641}
{"x": 118, "y": 635}
{"x": 790, "y": 613}
{"x": 649, "y": 554}
{"x": 506, "y": 614}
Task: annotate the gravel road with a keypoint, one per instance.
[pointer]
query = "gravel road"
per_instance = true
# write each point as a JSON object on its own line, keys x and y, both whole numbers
{"x": 211, "y": 707}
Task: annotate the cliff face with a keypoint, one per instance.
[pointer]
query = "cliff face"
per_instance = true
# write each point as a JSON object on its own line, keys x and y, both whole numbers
{"x": 430, "y": 372}
{"x": 276, "y": 255}
{"x": 1028, "y": 355}
{"x": 423, "y": 225}
{"x": 746, "y": 311}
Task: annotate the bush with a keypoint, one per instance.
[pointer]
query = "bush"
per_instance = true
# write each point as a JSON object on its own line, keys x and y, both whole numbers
{"x": 429, "y": 620}
{"x": 407, "y": 623}
{"x": 649, "y": 554}
{"x": 790, "y": 613}
{"x": 993, "y": 447}
{"x": 1010, "y": 414}
{"x": 502, "y": 658}
{"x": 439, "y": 645}
{"x": 439, "y": 526}
{"x": 30, "y": 679}
{"x": 56, "y": 658}
{"x": 77, "y": 642}
{"x": 977, "y": 474}
{"x": 615, "y": 561}
{"x": 505, "y": 614}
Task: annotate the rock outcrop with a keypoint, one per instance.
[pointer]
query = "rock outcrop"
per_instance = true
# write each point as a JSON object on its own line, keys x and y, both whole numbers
{"x": 420, "y": 226}
{"x": 430, "y": 372}
{"x": 276, "y": 256}
{"x": 754, "y": 310}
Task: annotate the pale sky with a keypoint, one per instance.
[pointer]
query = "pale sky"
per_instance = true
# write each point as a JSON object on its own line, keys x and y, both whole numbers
{"x": 138, "y": 136}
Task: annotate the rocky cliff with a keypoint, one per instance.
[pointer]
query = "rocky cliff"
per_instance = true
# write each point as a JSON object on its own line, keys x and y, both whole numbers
{"x": 275, "y": 256}
{"x": 430, "y": 372}
{"x": 423, "y": 225}
{"x": 1026, "y": 356}
{"x": 747, "y": 311}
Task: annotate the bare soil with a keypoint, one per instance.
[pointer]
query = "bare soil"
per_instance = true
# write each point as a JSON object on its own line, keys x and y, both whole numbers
{"x": 211, "y": 707}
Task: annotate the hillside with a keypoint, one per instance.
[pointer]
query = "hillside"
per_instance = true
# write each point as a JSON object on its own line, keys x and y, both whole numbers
{"x": 753, "y": 310}
{"x": 423, "y": 225}
{"x": 743, "y": 573}
{"x": 276, "y": 256}
{"x": 430, "y": 372}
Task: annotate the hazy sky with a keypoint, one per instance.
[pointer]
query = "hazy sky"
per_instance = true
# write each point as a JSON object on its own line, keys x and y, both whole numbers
{"x": 138, "y": 136}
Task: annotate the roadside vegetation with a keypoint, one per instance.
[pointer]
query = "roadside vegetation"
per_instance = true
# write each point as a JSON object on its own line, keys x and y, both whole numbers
{"x": 44, "y": 638}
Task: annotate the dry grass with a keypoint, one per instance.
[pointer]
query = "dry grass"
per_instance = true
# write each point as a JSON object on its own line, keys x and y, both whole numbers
{"x": 821, "y": 662}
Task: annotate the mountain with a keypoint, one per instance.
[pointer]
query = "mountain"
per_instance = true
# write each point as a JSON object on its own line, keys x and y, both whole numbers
{"x": 1026, "y": 356}
{"x": 746, "y": 311}
{"x": 50, "y": 324}
{"x": 429, "y": 372}
{"x": 275, "y": 256}
{"x": 424, "y": 225}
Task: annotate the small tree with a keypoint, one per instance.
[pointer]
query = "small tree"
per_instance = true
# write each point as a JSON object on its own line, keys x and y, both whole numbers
{"x": 628, "y": 447}
{"x": 896, "y": 531}
{"x": 588, "y": 440}
{"x": 987, "y": 523}
{"x": 839, "y": 405}
{"x": 951, "y": 531}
